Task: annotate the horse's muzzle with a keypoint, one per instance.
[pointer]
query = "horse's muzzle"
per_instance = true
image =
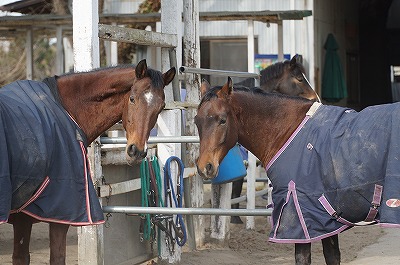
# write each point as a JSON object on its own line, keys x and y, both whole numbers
{"x": 135, "y": 155}
{"x": 208, "y": 172}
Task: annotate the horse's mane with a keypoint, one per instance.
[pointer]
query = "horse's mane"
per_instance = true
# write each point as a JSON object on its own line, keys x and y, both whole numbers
{"x": 155, "y": 76}
{"x": 212, "y": 93}
{"x": 271, "y": 73}
{"x": 276, "y": 70}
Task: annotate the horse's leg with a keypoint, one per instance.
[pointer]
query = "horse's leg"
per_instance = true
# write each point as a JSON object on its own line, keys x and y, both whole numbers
{"x": 58, "y": 243}
{"x": 236, "y": 191}
{"x": 302, "y": 253}
{"x": 331, "y": 249}
{"x": 22, "y": 226}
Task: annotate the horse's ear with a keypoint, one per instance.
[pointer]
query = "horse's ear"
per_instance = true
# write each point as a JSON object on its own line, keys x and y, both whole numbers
{"x": 141, "y": 69}
{"x": 226, "y": 89}
{"x": 204, "y": 87}
{"x": 169, "y": 76}
{"x": 293, "y": 61}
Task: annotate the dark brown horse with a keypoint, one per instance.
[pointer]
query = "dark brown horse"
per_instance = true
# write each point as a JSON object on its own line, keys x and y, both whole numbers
{"x": 287, "y": 77}
{"x": 345, "y": 188}
{"x": 92, "y": 102}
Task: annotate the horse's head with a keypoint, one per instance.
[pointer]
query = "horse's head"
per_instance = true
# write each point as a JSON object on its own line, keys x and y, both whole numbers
{"x": 143, "y": 104}
{"x": 291, "y": 80}
{"x": 217, "y": 126}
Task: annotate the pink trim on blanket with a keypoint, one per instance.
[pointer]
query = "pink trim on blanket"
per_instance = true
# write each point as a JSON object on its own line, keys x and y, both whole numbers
{"x": 86, "y": 175}
{"x": 283, "y": 148}
{"x": 41, "y": 188}
{"x": 58, "y": 221}
{"x": 310, "y": 240}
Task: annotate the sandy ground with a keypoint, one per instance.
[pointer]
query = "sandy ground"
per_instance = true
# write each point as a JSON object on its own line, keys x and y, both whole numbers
{"x": 359, "y": 245}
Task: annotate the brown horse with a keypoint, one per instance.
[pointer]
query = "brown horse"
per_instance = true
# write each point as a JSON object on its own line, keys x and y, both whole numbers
{"x": 338, "y": 146}
{"x": 287, "y": 77}
{"x": 84, "y": 104}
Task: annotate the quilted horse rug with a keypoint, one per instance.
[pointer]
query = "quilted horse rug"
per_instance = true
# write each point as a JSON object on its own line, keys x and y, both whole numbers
{"x": 340, "y": 167}
{"x": 44, "y": 170}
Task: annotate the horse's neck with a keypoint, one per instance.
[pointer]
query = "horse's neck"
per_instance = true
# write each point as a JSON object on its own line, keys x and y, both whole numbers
{"x": 265, "y": 125}
{"x": 95, "y": 99}
{"x": 269, "y": 85}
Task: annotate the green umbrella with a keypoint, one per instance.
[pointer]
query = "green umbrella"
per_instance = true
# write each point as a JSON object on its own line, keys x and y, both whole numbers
{"x": 333, "y": 83}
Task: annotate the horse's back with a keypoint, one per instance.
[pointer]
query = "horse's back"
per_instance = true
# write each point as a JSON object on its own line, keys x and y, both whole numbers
{"x": 23, "y": 140}
{"x": 339, "y": 158}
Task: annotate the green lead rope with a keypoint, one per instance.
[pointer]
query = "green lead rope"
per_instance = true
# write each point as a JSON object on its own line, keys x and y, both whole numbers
{"x": 145, "y": 183}
{"x": 150, "y": 189}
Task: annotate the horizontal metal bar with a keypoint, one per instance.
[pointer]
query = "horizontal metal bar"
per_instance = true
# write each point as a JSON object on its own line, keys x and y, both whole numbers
{"x": 153, "y": 139}
{"x": 245, "y": 180}
{"x": 244, "y": 197}
{"x": 203, "y": 71}
{"x": 187, "y": 211}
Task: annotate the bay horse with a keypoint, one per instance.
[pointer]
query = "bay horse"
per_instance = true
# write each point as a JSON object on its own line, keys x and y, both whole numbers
{"x": 330, "y": 167}
{"x": 287, "y": 77}
{"x": 45, "y": 130}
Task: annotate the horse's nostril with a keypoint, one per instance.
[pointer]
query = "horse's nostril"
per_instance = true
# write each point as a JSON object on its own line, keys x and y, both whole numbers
{"x": 209, "y": 168}
{"x": 131, "y": 150}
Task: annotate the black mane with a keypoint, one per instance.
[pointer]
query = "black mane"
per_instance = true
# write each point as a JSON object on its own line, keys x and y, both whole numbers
{"x": 212, "y": 93}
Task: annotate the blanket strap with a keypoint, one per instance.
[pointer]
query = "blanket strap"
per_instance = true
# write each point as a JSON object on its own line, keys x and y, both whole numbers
{"x": 376, "y": 202}
{"x": 328, "y": 207}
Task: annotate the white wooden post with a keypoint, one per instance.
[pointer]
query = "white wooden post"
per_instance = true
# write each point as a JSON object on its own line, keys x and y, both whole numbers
{"x": 221, "y": 198}
{"x": 194, "y": 185}
{"x": 280, "y": 40}
{"x": 86, "y": 57}
{"x": 169, "y": 121}
{"x": 59, "y": 51}
{"x": 29, "y": 54}
{"x": 251, "y": 169}
{"x": 112, "y": 51}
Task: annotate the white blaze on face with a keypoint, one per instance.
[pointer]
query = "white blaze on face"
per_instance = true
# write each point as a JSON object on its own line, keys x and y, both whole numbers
{"x": 149, "y": 97}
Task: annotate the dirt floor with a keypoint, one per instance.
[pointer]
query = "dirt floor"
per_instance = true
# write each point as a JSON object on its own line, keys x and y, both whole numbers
{"x": 246, "y": 247}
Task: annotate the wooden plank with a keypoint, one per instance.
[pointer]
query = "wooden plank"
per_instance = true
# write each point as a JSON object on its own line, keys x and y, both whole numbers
{"x": 141, "y": 37}
{"x": 263, "y": 16}
{"x": 120, "y": 187}
{"x": 132, "y": 185}
{"x": 29, "y": 54}
{"x": 50, "y": 21}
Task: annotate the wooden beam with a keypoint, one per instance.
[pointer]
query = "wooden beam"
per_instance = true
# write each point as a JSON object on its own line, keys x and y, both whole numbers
{"x": 141, "y": 37}
{"x": 133, "y": 184}
{"x": 50, "y": 21}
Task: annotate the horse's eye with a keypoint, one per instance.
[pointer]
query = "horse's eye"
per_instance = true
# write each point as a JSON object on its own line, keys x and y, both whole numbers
{"x": 222, "y": 121}
{"x": 132, "y": 99}
{"x": 299, "y": 78}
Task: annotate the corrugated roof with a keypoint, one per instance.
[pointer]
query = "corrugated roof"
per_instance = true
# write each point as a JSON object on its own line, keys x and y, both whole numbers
{"x": 29, "y": 7}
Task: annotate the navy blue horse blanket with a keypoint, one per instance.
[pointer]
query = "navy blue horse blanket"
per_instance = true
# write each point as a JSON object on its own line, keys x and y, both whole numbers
{"x": 340, "y": 167}
{"x": 44, "y": 170}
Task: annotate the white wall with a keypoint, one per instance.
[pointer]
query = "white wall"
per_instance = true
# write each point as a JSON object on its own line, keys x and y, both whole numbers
{"x": 297, "y": 35}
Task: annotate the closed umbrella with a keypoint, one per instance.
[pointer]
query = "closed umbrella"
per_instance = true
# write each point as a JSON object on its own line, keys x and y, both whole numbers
{"x": 333, "y": 82}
